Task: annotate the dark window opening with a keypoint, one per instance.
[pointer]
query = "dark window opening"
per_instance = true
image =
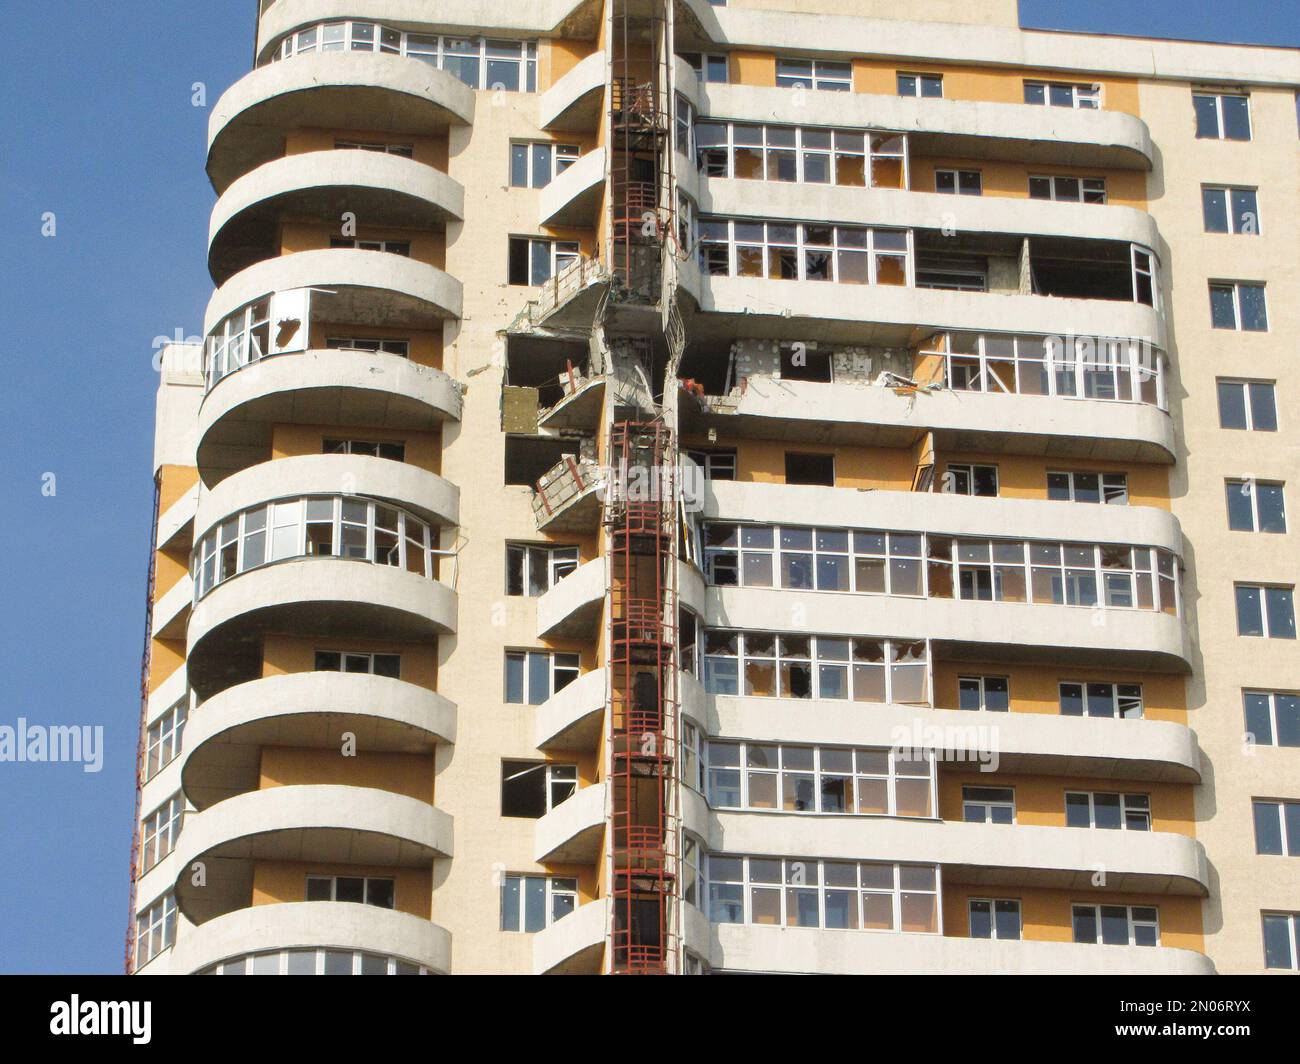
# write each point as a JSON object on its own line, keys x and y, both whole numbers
{"x": 816, "y": 469}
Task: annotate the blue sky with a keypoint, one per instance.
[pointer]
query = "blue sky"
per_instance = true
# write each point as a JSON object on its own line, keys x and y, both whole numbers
{"x": 101, "y": 132}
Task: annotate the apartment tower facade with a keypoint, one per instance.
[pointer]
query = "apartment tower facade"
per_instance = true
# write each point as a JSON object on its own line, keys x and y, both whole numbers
{"x": 763, "y": 486}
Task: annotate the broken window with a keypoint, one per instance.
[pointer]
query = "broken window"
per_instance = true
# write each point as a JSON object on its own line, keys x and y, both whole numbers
{"x": 531, "y": 789}
{"x": 816, "y": 469}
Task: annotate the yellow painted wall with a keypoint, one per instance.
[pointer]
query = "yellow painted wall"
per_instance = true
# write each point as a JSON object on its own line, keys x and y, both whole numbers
{"x": 408, "y": 774}
{"x": 165, "y": 657}
{"x": 286, "y": 881}
{"x": 426, "y": 246}
{"x": 426, "y": 346}
{"x": 1034, "y": 688}
{"x": 283, "y": 654}
{"x": 557, "y": 56}
{"x": 1040, "y": 800}
{"x": 1124, "y": 188}
{"x": 432, "y": 151}
{"x": 1025, "y": 477}
{"x": 423, "y": 449}
{"x": 1045, "y": 914}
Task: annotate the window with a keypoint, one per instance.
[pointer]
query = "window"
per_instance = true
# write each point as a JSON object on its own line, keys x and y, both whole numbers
{"x": 531, "y": 789}
{"x": 155, "y": 929}
{"x": 1121, "y": 700}
{"x": 860, "y": 670}
{"x": 716, "y": 465}
{"x": 995, "y": 918}
{"x": 1062, "y": 94}
{"x": 1109, "y": 488}
{"x": 684, "y": 124}
{"x": 530, "y": 903}
{"x": 240, "y": 338}
{"x": 989, "y": 693}
{"x": 363, "y": 890}
{"x": 309, "y": 961}
{"x": 1068, "y": 189}
{"x": 1282, "y": 940}
{"x": 963, "y": 182}
{"x": 1249, "y": 405}
{"x": 840, "y": 895}
{"x": 534, "y": 261}
{"x": 1230, "y": 210}
{"x": 159, "y": 830}
{"x": 164, "y": 737}
{"x": 1117, "y": 925}
{"x": 1272, "y": 717}
{"x": 824, "y": 74}
{"x": 533, "y": 570}
{"x": 804, "y": 252}
{"x": 708, "y": 66}
{"x": 480, "y": 63}
{"x": 1086, "y": 809}
{"x": 401, "y": 348}
{"x": 534, "y": 164}
{"x": 1221, "y": 116}
{"x": 1277, "y": 827}
{"x": 314, "y": 527}
{"x": 820, "y": 779}
{"x": 407, "y": 151}
{"x": 1256, "y": 506}
{"x": 927, "y": 85}
{"x": 532, "y": 676}
{"x": 971, "y": 480}
{"x": 813, "y": 155}
{"x": 1238, "y": 305}
{"x": 1265, "y": 611}
{"x": 816, "y": 469}
{"x": 393, "y": 247}
{"x": 395, "y": 452}
{"x": 988, "y": 805}
{"x": 1144, "y": 277}
{"x": 365, "y": 664}
{"x": 803, "y": 362}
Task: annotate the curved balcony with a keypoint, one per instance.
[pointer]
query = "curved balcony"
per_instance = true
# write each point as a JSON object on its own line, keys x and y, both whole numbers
{"x": 382, "y": 93}
{"x": 1150, "y": 862}
{"x": 861, "y": 414}
{"x": 967, "y": 129}
{"x": 574, "y": 945}
{"x": 574, "y": 197}
{"x": 573, "y": 104}
{"x": 319, "y": 186}
{"x": 416, "y": 490}
{"x": 307, "y": 710}
{"x": 1023, "y": 743}
{"x": 324, "y": 596}
{"x": 543, "y": 16}
{"x": 942, "y": 513}
{"x": 370, "y": 390}
{"x": 323, "y": 824}
{"x": 573, "y": 717}
{"x": 372, "y": 287}
{"x": 573, "y": 831}
{"x": 779, "y": 950}
{"x": 313, "y": 924}
{"x": 1141, "y": 639}
{"x": 779, "y": 200}
{"x": 572, "y": 607}
{"x": 901, "y": 315}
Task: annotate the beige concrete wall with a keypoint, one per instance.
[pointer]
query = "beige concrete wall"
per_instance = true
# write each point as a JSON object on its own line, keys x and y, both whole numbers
{"x": 1243, "y": 884}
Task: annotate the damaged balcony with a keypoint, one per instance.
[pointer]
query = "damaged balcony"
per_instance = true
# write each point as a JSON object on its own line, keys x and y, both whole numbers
{"x": 566, "y": 481}
{"x": 550, "y": 385}
{"x": 568, "y": 300}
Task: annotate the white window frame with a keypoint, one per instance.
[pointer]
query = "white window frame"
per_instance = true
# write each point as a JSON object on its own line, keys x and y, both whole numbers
{"x": 160, "y": 830}
{"x": 1279, "y": 806}
{"x": 1247, "y": 402}
{"x": 1293, "y": 926}
{"x": 1273, "y": 705}
{"x": 1236, "y": 287}
{"x": 1083, "y": 96}
{"x": 801, "y": 249}
{"x": 1086, "y": 194}
{"x": 1220, "y": 132}
{"x": 370, "y": 345}
{"x": 557, "y": 888}
{"x": 561, "y": 254}
{"x": 712, "y": 463}
{"x": 1249, "y": 487}
{"x": 704, "y": 62}
{"x": 406, "y": 151}
{"x": 957, "y": 175}
{"x": 356, "y": 656}
{"x": 333, "y": 881}
{"x": 824, "y": 75}
{"x": 558, "y": 562}
{"x": 388, "y": 247}
{"x": 1133, "y": 921}
{"x": 1234, "y": 228}
{"x": 559, "y": 157}
{"x": 993, "y": 903}
{"x": 967, "y": 470}
{"x": 1114, "y": 493}
{"x": 1118, "y": 699}
{"x": 1136, "y": 804}
{"x": 918, "y": 83}
{"x": 987, "y": 805}
{"x": 982, "y": 683}
{"x": 559, "y": 664}
{"x": 876, "y": 144}
{"x": 1265, "y": 624}
{"x": 155, "y": 929}
{"x": 164, "y": 737}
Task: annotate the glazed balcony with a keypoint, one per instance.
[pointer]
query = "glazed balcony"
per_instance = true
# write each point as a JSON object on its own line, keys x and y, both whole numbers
{"x": 320, "y": 186}
{"x": 321, "y": 824}
{"x": 224, "y": 740}
{"x": 298, "y": 926}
